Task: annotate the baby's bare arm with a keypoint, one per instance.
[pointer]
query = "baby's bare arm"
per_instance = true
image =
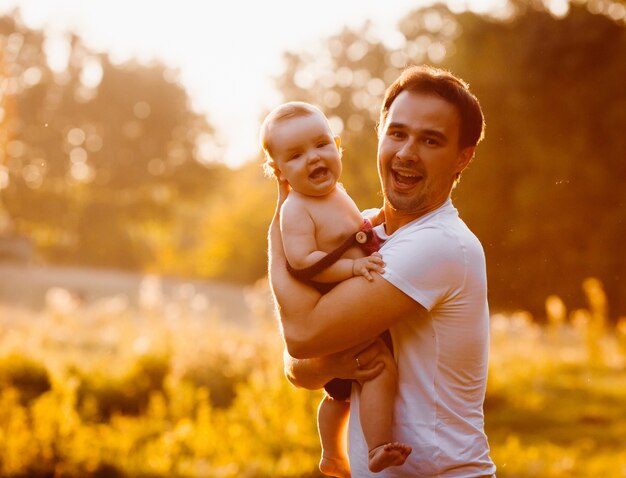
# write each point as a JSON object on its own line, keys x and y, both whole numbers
{"x": 302, "y": 251}
{"x": 298, "y": 234}
{"x": 366, "y": 265}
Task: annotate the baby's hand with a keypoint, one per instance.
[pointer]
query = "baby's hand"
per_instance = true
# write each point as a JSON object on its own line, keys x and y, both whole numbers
{"x": 364, "y": 266}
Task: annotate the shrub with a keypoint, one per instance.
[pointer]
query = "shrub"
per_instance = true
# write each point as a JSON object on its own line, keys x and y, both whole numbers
{"x": 102, "y": 395}
{"x": 26, "y": 375}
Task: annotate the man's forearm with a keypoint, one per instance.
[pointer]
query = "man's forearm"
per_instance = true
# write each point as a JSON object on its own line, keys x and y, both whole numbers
{"x": 293, "y": 299}
{"x": 355, "y": 311}
{"x": 305, "y": 373}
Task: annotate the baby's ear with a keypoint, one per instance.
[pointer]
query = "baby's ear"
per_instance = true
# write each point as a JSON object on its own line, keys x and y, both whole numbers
{"x": 338, "y": 143}
{"x": 279, "y": 175}
{"x": 270, "y": 169}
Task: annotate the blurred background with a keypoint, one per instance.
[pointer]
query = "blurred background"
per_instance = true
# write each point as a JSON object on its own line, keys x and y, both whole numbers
{"x": 134, "y": 310}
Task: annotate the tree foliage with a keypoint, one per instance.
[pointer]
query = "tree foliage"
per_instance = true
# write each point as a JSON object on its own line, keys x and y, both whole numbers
{"x": 545, "y": 193}
{"x": 102, "y": 160}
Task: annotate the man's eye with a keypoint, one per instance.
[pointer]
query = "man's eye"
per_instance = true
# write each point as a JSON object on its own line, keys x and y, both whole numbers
{"x": 396, "y": 134}
{"x": 431, "y": 142}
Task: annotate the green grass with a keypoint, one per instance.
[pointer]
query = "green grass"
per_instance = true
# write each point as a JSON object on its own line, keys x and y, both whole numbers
{"x": 554, "y": 408}
{"x": 114, "y": 390}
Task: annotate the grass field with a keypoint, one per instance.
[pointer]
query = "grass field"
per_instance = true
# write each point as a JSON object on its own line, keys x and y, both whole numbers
{"x": 159, "y": 385}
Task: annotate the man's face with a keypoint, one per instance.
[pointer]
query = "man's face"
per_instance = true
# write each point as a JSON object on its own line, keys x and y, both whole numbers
{"x": 307, "y": 154}
{"x": 418, "y": 153}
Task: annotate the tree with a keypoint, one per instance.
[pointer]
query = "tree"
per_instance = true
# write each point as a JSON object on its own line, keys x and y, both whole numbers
{"x": 233, "y": 233}
{"x": 546, "y": 192}
{"x": 550, "y": 173}
{"x": 346, "y": 78}
{"x": 103, "y": 160}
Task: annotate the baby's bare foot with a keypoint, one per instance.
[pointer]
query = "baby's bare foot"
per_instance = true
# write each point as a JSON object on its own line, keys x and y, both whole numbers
{"x": 389, "y": 454}
{"x": 335, "y": 466}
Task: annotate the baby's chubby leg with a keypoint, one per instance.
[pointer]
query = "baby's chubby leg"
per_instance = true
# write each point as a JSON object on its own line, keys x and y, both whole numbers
{"x": 332, "y": 424}
{"x": 376, "y": 416}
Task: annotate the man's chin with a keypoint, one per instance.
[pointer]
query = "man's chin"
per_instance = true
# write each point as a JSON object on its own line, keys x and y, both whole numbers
{"x": 399, "y": 203}
{"x": 404, "y": 205}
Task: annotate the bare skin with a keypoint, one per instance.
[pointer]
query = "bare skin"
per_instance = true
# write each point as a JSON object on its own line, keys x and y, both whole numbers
{"x": 378, "y": 391}
{"x": 312, "y": 374}
{"x": 315, "y": 218}
{"x": 390, "y": 454}
{"x": 332, "y": 466}
{"x": 419, "y": 158}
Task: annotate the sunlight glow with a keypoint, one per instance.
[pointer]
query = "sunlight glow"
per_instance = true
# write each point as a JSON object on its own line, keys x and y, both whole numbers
{"x": 559, "y": 8}
{"x": 91, "y": 74}
{"x": 226, "y": 56}
{"x": 57, "y": 50}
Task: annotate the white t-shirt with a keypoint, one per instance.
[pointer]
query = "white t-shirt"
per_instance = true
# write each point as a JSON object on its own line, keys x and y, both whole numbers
{"x": 442, "y": 358}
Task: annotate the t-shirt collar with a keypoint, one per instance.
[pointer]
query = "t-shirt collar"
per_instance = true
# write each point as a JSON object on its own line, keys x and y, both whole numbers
{"x": 445, "y": 207}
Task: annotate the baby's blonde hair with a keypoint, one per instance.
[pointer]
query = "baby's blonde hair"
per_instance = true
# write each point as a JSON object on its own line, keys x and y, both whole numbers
{"x": 292, "y": 109}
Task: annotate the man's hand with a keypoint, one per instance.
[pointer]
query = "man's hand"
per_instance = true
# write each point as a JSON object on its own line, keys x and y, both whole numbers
{"x": 283, "y": 192}
{"x": 376, "y": 217}
{"x": 362, "y": 362}
{"x": 364, "y": 265}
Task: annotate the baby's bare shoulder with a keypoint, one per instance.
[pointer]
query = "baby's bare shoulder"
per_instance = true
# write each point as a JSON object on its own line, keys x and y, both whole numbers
{"x": 296, "y": 210}
{"x": 296, "y": 202}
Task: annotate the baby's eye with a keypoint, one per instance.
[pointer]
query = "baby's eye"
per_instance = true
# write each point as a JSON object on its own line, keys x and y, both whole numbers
{"x": 295, "y": 156}
{"x": 321, "y": 144}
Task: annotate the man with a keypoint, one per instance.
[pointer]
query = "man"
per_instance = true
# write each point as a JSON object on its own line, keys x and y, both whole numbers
{"x": 432, "y": 296}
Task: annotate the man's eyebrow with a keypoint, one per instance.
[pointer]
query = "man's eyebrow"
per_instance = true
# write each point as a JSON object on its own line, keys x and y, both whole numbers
{"x": 436, "y": 133}
{"x": 395, "y": 125}
{"x": 428, "y": 131}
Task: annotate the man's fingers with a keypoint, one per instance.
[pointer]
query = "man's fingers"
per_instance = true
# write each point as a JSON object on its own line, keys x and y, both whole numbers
{"x": 367, "y": 355}
{"x": 365, "y": 373}
{"x": 378, "y": 218}
{"x": 283, "y": 190}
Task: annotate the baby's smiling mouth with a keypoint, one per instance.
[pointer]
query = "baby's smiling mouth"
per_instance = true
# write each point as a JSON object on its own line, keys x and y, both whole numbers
{"x": 318, "y": 173}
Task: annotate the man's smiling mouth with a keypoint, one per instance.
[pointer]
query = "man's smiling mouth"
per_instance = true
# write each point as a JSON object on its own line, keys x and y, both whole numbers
{"x": 405, "y": 178}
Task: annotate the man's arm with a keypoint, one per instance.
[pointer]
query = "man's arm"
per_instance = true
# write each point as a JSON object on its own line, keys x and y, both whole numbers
{"x": 355, "y": 311}
{"x": 314, "y": 373}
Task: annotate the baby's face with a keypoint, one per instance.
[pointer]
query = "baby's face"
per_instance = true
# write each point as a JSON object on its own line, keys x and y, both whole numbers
{"x": 307, "y": 154}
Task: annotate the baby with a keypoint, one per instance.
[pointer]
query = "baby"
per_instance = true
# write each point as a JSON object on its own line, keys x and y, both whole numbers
{"x": 321, "y": 228}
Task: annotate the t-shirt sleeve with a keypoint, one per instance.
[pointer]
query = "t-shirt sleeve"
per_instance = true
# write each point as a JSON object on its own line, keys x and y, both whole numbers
{"x": 426, "y": 264}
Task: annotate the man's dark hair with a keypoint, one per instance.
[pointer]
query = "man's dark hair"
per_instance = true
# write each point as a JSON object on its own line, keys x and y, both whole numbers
{"x": 429, "y": 80}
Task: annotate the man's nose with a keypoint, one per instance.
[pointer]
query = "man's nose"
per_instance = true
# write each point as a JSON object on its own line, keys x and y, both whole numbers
{"x": 409, "y": 150}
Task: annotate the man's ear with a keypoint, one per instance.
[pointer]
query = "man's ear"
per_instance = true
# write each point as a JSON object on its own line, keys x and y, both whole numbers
{"x": 464, "y": 158}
